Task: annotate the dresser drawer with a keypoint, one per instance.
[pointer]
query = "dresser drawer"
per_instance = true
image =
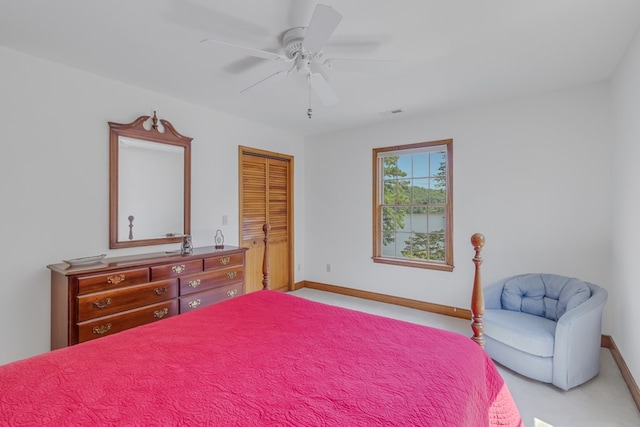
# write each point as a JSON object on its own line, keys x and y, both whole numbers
{"x": 212, "y": 296}
{"x": 209, "y": 279}
{"x": 223, "y": 261}
{"x": 113, "y": 280}
{"x": 101, "y": 304}
{"x": 167, "y": 271}
{"x": 111, "y": 324}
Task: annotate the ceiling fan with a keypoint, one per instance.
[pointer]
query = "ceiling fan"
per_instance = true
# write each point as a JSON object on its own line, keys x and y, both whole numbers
{"x": 302, "y": 46}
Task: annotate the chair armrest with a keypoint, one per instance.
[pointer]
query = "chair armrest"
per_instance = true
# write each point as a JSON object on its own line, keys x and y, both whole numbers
{"x": 577, "y": 341}
{"x": 493, "y": 294}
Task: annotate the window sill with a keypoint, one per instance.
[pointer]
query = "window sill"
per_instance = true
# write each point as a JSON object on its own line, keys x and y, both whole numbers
{"x": 414, "y": 264}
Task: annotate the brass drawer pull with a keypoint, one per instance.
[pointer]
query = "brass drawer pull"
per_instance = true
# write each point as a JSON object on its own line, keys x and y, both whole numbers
{"x": 160, "y": 291}
{"x": 232, "y": 293}
{"x": 159, "y": 314}
{"x": 101, "y": 330}
{"x": 232, "y": 274}
{"x": 194, "y": 283}
{"x": 194, "y": 303}
{"x": 178, "y": 268}
{"x": 114, "y": 280}
{"x": 225, "y": 260}
{"x": 102, "y": 303}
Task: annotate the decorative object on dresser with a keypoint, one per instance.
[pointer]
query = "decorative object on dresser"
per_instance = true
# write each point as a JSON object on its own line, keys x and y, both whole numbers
{"x": 149, "y": 181}
{"x": 187, "y": 247}
{"x": 87, "y": 260}
{"x": 93, "y": 300}
{"x": 219, "y": 239}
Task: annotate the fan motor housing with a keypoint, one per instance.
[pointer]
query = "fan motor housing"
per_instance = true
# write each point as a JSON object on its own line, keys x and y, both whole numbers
{"x": 292, "y": 41}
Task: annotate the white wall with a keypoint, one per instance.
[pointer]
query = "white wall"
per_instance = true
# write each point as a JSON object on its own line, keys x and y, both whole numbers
{"x": 626, "y": 199}
{"x": 54, "y": 179}
{"x": 533, "y": 175}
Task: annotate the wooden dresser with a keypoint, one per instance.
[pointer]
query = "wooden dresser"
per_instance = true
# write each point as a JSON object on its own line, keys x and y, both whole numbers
{"x": 93, "y": 301}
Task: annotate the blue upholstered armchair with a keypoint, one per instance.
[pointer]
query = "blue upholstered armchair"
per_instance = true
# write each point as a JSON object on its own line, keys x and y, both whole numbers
{"x": 546, "y": 327}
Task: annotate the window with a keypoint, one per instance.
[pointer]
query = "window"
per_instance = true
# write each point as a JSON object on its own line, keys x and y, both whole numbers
{"x": 413, "y": 205}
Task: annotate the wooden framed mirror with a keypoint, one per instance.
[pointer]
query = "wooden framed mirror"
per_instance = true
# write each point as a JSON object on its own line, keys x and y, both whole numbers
{"x": 149, "y": 183}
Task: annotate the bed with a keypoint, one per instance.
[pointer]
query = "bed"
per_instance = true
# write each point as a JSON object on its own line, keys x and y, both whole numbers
{"x": 265, "y": 358}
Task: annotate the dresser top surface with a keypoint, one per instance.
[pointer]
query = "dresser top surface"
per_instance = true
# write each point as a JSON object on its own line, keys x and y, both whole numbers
{"x": 141, "y": 260}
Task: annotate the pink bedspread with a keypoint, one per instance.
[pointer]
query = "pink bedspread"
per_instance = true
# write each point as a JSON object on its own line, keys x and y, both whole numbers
{"x": 266, "y": 358}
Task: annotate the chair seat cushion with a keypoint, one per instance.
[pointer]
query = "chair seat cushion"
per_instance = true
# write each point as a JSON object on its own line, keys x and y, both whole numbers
{"x": 525, "y": 332}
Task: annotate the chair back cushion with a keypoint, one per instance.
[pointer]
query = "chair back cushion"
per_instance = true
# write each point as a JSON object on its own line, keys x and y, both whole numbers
{"x": 545, "y": 295}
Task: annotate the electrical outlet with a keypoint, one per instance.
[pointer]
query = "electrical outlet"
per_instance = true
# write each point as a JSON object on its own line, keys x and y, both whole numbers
{"x": 328, "y": 268}
{"x": 225, "y": 219}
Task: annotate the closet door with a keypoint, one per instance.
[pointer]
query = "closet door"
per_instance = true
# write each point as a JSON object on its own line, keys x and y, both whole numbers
{"x": 266, "y": 196}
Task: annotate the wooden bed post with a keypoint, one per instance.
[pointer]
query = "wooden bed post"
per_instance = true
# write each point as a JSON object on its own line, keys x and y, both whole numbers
{"x": 477, "y": 296}
{"x": 265, "y": 260}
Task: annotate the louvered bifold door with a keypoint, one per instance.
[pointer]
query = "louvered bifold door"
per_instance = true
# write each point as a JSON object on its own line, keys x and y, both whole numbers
{"x": 265, "y": 198}
{"x": 278, "y": 218}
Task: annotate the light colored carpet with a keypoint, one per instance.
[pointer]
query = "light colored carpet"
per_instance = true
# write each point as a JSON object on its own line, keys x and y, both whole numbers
{"x": 602, "y": 402}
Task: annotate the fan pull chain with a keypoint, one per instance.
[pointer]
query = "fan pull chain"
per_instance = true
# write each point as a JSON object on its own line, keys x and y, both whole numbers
{"x": 309, "y": 110}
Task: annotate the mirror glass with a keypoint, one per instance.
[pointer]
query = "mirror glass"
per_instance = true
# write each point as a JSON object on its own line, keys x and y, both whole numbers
{"x": 149, "y": 183}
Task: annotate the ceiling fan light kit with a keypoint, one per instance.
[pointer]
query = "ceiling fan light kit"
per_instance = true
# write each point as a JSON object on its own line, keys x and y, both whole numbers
{"x": 303, "y": 46}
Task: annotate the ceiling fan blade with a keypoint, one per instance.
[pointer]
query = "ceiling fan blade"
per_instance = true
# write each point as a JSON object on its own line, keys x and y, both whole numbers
{"x": 322, "y": 89}
{"x": 335, "y": 64}
{"x": 247, "y": 50}
{"x": 323, "y": 23}
{"x": 268, "y": 82}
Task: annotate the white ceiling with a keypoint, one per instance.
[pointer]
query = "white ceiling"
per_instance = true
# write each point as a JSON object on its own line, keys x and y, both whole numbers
{"x": 451, "y": 53}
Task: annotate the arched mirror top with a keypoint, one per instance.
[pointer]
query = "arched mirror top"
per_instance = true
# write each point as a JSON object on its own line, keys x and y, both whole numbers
{"x": 149, "y": 183}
